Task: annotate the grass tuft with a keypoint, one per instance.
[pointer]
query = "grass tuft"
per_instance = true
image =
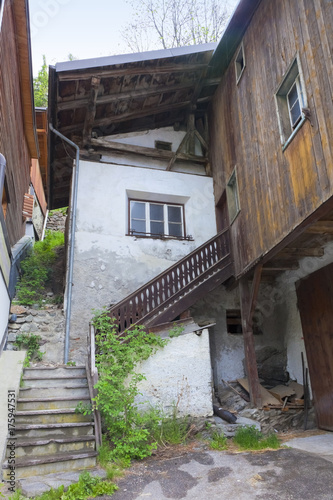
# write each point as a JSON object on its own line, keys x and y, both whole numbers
{"x": 250, "y": 438}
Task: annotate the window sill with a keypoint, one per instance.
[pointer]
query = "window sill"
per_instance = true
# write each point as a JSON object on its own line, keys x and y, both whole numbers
{"x": 161, "y": 237}
{"x": 291, "y": 137}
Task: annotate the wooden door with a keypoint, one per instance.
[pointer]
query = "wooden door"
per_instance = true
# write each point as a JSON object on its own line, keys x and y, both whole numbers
{"x": 315, "y": 303}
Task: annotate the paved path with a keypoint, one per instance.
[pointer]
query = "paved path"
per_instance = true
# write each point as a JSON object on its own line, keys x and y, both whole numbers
{"x": 286, "y": 474}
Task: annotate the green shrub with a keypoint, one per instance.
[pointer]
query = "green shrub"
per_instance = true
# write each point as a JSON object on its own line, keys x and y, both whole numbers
{"x": 87, "y": 487}
{"x": 116, "y": 358}
{"x": 250, "y": 438}
{"x": 37, "y": 267}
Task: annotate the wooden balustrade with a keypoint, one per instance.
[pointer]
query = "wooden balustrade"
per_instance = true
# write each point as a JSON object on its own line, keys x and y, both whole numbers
{"x": 182, "y": 276}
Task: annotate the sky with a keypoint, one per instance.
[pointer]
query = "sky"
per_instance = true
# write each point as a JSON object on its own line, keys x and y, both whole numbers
{"x": 83, "y": 28}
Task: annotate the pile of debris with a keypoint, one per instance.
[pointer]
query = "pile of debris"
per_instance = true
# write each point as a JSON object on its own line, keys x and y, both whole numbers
{"x": 283, "y": 408}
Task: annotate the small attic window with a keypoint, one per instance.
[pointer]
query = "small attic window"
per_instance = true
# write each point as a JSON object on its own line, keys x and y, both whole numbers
{"x": 165, "y": 146}
{"x": 239, "y": 63}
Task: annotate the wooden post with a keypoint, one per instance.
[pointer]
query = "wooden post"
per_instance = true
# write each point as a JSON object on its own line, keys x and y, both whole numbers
{"x": 248, "y": 299}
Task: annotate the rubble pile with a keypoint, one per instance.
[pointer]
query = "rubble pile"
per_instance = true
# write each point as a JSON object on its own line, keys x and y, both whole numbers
{"x": 283, "y": 408}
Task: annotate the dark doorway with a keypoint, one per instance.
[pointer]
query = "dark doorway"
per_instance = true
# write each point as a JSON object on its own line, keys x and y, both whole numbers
{"x": 315, "y": 303}
{"x": 222, "y": 216}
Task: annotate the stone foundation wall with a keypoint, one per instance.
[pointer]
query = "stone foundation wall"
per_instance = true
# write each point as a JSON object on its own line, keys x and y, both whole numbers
{"x": 48, "y": 322}
{"x": 56, "y": 222}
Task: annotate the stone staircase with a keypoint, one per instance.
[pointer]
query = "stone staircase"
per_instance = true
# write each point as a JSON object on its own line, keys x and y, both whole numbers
{"x": 49, "y": 436}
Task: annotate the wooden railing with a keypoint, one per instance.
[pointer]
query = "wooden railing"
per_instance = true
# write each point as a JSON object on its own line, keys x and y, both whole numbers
{"x": 186, "y": 274}
{"x": 92, "y": 377}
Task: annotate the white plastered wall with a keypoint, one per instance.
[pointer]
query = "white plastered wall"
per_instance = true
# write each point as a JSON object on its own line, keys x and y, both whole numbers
{"x": 108, "y": 264}
{"x": 179, "y": 375}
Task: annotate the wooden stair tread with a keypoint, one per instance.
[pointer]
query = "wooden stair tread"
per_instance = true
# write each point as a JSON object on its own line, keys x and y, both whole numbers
{"x": 35, "y": 441}
{"x": 78, "y": 386}
{"x": 58, "y": 377}
{"x": 55, "y": 398}
{"x": 48, "y": 459}
{"x": 31, "y": 368}
{"x": 24, "y": 427}
{"x": 58, "y": 411}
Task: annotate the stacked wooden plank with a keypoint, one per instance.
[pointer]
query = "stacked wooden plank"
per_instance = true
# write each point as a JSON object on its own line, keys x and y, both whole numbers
{"x": 281, "y": 397}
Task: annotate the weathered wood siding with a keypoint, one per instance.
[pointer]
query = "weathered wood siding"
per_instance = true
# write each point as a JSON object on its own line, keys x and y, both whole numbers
{"x": 13, "y": 144}
{"x": 277, "y": 189}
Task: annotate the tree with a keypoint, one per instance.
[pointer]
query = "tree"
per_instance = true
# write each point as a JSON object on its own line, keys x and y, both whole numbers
{"x": 175, "y": 23}
{"x": 41, "y": 83}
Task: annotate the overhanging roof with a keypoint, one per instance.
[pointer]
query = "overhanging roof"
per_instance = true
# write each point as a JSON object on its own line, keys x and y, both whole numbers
{"x": 133, "y": 92}
{"x": 121, "y": 94}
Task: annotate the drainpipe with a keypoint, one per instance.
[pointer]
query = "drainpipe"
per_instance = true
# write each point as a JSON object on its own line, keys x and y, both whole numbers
{"x": 72, "y": 240}
{"x": 44, "y": 225}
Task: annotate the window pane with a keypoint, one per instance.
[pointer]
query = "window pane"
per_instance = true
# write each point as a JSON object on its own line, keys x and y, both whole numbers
{"x": 174, "y": 214}
{"x": 157, "y": 228}
{"x": 295, "y": 113}
{"x": 138, "y": 210}
{"x": 292, "y": 95}
{"x": 175, "y": 230}
{"x": 156, "y": 212}
{"x": 138, "y": 226}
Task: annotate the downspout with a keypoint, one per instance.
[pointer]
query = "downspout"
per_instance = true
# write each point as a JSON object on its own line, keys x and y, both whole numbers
{"x": 44, "y": 225}
{"x": 72, "y": 241}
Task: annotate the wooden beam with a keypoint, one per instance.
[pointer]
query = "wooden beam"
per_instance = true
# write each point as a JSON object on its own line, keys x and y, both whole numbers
{"x": 322, "y": 226}
{"x": 248, "y": 300}
{"x": 91, "y": 110}
{"x": 131, "y": 115}
{"x": 179, "y": 149}
{"x": 133, "y": 94}
{"x": 108, "y": 146}
{"x": 289, "y": 252}
{"x": 190, "y": 130}
{"x": 128, "y": 71}
{"x": 275, "y": 265}
{"x": 254, "y": 292}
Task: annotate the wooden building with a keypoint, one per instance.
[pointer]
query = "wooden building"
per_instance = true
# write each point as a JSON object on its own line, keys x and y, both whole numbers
{"x": 18, "y": 143}
{"x": 271, "y": 146}
{"x": 261, "y": 109}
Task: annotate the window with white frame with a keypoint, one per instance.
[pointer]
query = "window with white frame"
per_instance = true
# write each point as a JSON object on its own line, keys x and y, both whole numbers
{"x": 156, "y": 219}
{"x": 290, "y": 100}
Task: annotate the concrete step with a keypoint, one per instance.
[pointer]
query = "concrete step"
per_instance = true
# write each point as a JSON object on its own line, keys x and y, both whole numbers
{"x": 69, "y": 390}
{"x": 57, "y": 402}
{"x": 50, "y": 464}
{"x": 53, "y": 371}
{"x": 58, "y": 416}
{"x": 54, "y": 381}
{"x": 59, "y": 430}
{"x": 35, "y": 447}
